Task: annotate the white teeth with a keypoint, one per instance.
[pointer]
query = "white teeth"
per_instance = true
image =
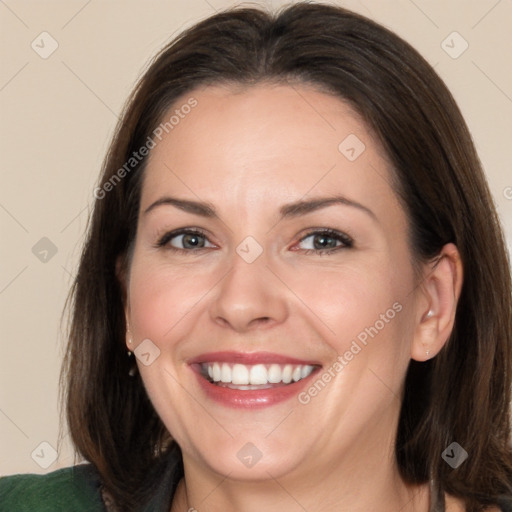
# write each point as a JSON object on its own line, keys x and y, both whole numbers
{"x": 225, "y": 373}
{"x": 215, "y": 371}
{"x": 275, "y": 374}
{"x": 287, "y": 374}
{"x": 305, "y": 371}
{"x": 240, "y": 375}
{"x": 256, "y": 375}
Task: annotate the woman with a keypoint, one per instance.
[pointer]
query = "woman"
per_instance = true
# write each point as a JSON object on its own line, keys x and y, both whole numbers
{"x": 294, "y": 293}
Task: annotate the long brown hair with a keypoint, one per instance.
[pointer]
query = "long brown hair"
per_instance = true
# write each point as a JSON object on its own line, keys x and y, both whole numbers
{"x": 462, "y": 395}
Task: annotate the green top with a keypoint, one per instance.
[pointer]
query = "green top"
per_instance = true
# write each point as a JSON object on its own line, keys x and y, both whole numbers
{"x": 77, "y": 489}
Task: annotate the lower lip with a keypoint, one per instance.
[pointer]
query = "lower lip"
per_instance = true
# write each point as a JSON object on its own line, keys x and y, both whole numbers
{"x": 255, "y": 398}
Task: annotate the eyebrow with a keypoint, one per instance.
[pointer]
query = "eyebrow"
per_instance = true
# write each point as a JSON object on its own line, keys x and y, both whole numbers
{"x": 316, "y": 203}
{"x": 196, "y": 207}
{"x": 291, "y": 210}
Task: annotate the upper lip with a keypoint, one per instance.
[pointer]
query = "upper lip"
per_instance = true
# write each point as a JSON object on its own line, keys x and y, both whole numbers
{"x": 249, "y": 358}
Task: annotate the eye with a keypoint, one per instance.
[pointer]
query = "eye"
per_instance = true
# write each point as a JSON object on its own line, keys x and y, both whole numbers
{"x": 184, "y": 240}
{"x": 325, "y": 241}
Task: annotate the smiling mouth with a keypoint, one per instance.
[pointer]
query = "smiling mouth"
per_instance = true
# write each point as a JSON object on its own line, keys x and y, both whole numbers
{"x": 254, "y": 377}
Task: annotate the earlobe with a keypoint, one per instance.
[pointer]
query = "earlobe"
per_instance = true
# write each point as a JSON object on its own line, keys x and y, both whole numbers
{"x": 440, "y": 291}
{"x": 129, "y": 337}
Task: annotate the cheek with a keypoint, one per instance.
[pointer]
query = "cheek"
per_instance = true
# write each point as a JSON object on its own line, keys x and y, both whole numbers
{"x": 351, "y": 298}
{"x": 162, "y": 296}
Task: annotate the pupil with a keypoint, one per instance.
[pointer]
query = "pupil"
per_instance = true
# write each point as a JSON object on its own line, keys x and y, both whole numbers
{"x": 192, "y": 240}
{"x": 322, "y": 242}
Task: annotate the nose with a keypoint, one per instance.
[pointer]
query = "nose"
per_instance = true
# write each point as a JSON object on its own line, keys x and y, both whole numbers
{"x": 249, "y": 297}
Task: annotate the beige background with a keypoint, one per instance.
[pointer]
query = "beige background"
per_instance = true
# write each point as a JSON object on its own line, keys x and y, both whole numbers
{"x": 57, "y": 116}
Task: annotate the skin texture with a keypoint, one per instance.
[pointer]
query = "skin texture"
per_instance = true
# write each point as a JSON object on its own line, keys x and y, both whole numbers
{"x": 247, "y": 152}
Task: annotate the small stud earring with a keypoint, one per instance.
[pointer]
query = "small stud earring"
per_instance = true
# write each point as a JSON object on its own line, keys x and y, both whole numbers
{"x": 429, "y": 314}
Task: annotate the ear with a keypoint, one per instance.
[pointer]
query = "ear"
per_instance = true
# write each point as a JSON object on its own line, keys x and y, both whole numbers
{"x": 122, "y": 277}
{"x": 435, "y": 314}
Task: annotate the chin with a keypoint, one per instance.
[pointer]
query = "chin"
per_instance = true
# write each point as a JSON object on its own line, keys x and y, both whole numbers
{"x": 249, "y": 464}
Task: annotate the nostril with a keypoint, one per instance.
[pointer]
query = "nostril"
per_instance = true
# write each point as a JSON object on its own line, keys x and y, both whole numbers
{"x": 262, "y": 320}
{"x": 222, "y": 321}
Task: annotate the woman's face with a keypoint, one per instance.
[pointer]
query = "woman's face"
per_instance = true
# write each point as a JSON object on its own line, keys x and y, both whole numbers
{"x": 271, "y": 257}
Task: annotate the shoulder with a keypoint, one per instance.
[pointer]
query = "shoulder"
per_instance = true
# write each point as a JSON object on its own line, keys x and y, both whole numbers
{"x": 74, "y": 488}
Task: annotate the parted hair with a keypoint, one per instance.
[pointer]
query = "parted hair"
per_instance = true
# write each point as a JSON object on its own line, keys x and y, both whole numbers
{"x": 463, "y": 394}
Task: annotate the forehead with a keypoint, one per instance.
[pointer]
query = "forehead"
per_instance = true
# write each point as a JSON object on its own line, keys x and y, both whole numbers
{"x": 259, "y": 142}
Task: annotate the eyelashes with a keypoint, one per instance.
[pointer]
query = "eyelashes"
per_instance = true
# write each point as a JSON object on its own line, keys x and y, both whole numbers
{"x": 323, "y": 241}
{"x": 327, "y": 234}
{"x": 189, "y": 236}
